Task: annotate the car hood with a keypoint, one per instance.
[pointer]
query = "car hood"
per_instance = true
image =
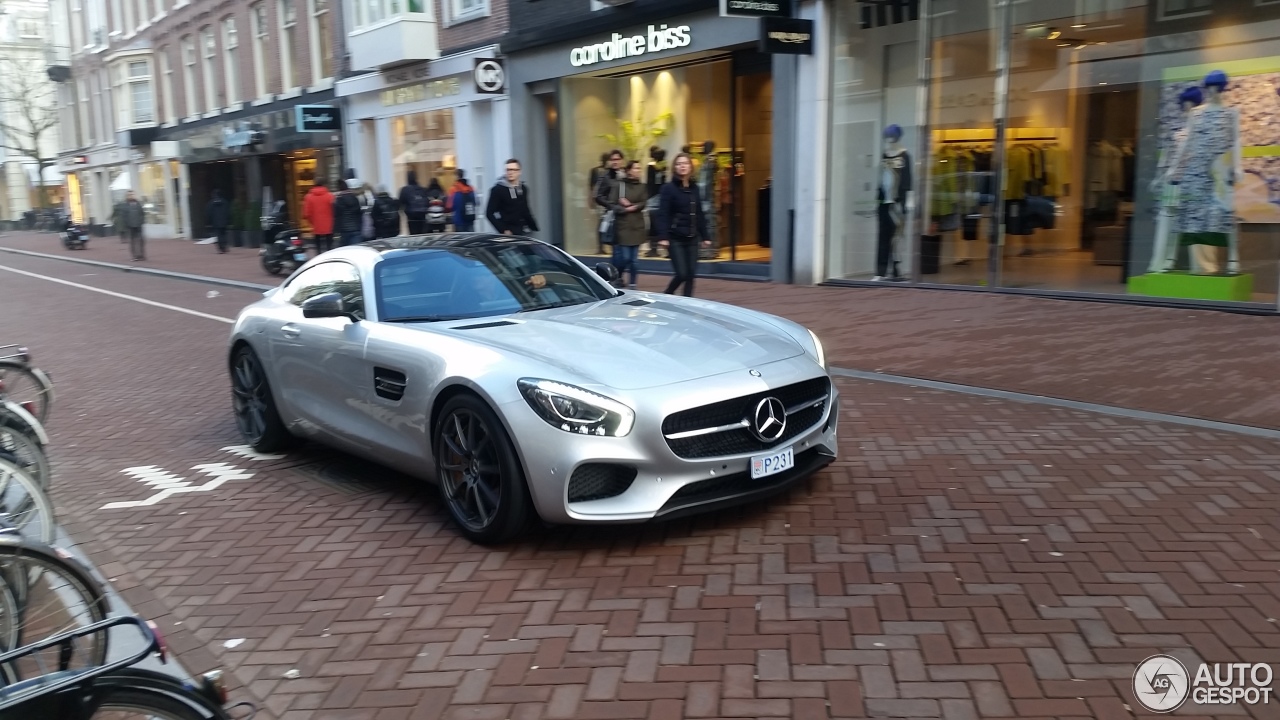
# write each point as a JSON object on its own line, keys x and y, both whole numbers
{"x": 630, "y": 343}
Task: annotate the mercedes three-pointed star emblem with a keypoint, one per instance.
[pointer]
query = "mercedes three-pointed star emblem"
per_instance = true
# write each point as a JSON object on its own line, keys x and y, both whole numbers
{"x": 769, "y": 420}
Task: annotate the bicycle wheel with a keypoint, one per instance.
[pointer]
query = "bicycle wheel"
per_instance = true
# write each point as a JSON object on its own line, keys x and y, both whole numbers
{"x": 25, "y": 384}
{"x": 135, "y": 694}
{"x": 24, "y": 507}
{"x": 52, "y": 593}
{"x": 26, "y": 453}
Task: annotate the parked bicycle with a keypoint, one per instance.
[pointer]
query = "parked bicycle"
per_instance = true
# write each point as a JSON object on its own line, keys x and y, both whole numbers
{"x": 114, "y": 689}
{"x": 23, "y": 383}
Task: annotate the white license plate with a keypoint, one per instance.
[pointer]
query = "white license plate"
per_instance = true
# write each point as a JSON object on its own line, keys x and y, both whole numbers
{"x": 772, "y": 464}
{"x": 300, "y": 257}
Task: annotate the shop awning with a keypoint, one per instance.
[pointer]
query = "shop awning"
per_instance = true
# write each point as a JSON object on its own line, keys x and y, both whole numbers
{"x": 121, "y": 182}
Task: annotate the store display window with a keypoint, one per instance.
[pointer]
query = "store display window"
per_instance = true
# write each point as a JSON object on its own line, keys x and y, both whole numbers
{"x": 426, "y": 144}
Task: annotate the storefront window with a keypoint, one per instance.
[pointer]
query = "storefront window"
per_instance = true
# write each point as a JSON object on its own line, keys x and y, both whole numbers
{"x": 651, "y": 117}
{"x": 424, "y": 143}
{"x": 1134, "y": 154}
{"x": 151, "y": 193}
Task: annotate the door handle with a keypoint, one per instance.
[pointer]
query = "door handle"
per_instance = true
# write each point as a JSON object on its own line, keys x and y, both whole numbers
{"x": 290, "y": 331}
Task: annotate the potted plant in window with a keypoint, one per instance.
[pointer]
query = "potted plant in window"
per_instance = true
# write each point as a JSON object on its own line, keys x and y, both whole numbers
{"x": 253, "y": 225}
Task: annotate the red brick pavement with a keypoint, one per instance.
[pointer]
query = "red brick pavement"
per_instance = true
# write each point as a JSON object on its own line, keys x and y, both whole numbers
{"x": 965, "y": 558}
{"x": 1200, "y": 363}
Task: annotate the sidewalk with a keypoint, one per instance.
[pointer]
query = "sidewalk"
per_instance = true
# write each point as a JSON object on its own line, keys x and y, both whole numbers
{"x": 1199, "y": 363}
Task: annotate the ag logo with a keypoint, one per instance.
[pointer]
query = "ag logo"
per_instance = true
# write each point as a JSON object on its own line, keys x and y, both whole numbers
{"x": 491, "y": 77}
{"x": 1161, "y": 683}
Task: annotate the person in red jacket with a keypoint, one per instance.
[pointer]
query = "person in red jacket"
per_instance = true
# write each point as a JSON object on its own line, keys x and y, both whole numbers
{"x": 317, "y": 209}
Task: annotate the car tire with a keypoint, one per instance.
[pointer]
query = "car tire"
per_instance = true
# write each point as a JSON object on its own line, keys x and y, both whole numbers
{"x": 272, "y": 267}
{"x": 470, "y": 479}
{"x": 255, "y": 407}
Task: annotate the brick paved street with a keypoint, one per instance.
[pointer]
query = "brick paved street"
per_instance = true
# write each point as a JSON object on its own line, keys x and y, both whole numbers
{"x": 1201, "y": 363}
{"x": 965, "y": 558}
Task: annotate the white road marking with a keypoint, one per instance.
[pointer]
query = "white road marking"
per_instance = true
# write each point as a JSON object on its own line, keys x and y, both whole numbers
{"x": 169, "y": 484}
{"x": 122, "y": 296}
{"x": 249, "y": 453}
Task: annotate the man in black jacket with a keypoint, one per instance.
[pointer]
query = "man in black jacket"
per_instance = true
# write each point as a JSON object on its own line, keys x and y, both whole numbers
{"x": 415, "y": 203}
{"x": 218, "y": 218}
{"x": 604, "y": 189}
{"x": 508, "y": 206}
{"x": 348, "y": 214}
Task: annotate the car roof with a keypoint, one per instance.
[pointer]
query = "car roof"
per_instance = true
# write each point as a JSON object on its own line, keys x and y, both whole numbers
{"x": 445, "y": 241}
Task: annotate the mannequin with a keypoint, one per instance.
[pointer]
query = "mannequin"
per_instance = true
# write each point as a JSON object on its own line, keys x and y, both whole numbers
{"x": 1207, "y": 169}
{"x": 893, "y": 198}
{"x": 657, "y": 177}
{"x": 1163, "y": 254}
{"x": 707, "y": 186}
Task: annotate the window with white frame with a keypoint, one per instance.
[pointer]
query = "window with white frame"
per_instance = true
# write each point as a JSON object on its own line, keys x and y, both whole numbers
{"x": 166, "y": 89}
{"x": 159, "y": 8}
{"x": 141, "y": 99}
{"x": 208, "y": 67}
{"x": 460, "y": 10}
{"x": 1173, "y": 9}
{"x": 144, "y": 16}
{"x": 129, "y": 24}
{"x": 288, "y": 44}
{"x": 77, "y": 27}
{"x": 258, "y": 18}
{"x": 85, "y": 136}
{"x": 117, "y": 17}
{"x": 321, "y": 41}
{"x": 31, "y": 29}
{"x": 230, "y": 43}
{"x": 189, "y": 76}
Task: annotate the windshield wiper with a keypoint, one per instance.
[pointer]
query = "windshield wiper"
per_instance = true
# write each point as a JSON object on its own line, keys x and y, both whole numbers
{"x": 560, "y": 304}
{"x": 425, "y": 318}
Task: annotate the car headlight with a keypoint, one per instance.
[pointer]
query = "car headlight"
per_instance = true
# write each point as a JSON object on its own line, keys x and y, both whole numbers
{"x": 821, "y": 353}
{"x": 575, "y": 410}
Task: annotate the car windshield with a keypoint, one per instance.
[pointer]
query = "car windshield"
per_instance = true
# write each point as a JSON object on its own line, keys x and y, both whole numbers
{"x": 453, "y": 283}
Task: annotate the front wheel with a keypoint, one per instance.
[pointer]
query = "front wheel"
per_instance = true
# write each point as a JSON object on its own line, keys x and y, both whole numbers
{"x": 255, "y": 407}
{"x": 480, "y": 476}
{"x": 273, "y": 267}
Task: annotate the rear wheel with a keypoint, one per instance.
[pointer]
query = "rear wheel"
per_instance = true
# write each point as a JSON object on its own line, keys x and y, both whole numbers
{"x": 27, "y": 386}
{"x": 256, "y": 415}
{"x": 273, "y": 267}
{"x": 26, "y": 453}
{"x": 480, "y": 476}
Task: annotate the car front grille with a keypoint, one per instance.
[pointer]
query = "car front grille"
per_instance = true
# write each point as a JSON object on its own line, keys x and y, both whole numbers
{"x": 721, "y": 429}
{"x": 597, "y": 481}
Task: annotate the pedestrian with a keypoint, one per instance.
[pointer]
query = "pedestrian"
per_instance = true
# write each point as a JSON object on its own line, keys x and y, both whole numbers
{"x": 386, "y": 214}
{"x": 134, "y": 217}
{"x": 628, "y": 202}
{"x": 413, "y": 200}
{"x": 117, "y": 221}
{"x": 317, "y": 210}
{"x": 218, "y": 218}
{"x": 462, "y": 204}
{"x": 437, "y": 208}
{"x": 368, "y": 198}
{"x": 348, "y": 215}
{"x": 604, "y": 189}
{"x": 507, "y": 209}
{"x": 681, "y": 222}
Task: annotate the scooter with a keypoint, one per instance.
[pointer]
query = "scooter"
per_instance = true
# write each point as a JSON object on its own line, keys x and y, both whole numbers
{"x": 285, "y": 253}
{"x": 74, "y": 236}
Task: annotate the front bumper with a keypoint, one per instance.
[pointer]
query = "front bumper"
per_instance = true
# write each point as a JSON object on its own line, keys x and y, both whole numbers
{"x": 664, "y": 484}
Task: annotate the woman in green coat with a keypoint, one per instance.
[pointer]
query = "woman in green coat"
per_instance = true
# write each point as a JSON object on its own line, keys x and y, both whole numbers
{"x": 628, "y": 201}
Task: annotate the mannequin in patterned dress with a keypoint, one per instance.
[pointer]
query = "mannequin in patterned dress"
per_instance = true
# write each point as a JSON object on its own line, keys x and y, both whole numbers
{"x": 1207, "y": 170}
{"x": 1164, "y": 254}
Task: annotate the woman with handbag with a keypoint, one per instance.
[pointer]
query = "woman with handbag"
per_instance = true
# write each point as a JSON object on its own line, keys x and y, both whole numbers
{"x": 628, "y": 202}
{"x": 681, "y": 222}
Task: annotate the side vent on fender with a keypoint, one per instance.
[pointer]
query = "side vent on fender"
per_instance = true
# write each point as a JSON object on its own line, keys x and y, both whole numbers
{"x": 389, "y": 384}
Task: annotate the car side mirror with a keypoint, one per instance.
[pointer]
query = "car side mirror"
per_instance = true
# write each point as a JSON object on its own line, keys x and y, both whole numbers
{"x": 328, "y": 305}
{"x": 607, "y": 272}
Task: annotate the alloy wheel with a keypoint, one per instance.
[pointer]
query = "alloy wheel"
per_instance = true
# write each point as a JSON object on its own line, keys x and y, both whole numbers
{"x": 250, "y": 396}
{"x": 470, "y": 472}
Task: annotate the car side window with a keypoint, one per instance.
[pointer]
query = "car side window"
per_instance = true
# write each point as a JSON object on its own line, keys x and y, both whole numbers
{"x": 325, "y": 278}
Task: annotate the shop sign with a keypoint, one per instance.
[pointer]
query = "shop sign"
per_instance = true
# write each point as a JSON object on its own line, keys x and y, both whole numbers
{"x": 658, "y": 39}
{"x": 786, "y": 36}
{"x": 317, "y": 118}
{"x": 421, "y": 92}
{"x": 755, "y": 8}
{"x": 490, "y": 76}
{"x": 413, "y": 73}
{"x": 241, "y": 137}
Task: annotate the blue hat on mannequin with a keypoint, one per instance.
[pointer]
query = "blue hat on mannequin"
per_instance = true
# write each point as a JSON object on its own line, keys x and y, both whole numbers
{"x": 893, "y": 132}
{"x": 1217, "y": 79}
{"x": 1191, "y": 95}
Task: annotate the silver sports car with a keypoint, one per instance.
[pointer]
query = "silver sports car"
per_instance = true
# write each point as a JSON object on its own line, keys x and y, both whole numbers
{"x": 526, "y": 386}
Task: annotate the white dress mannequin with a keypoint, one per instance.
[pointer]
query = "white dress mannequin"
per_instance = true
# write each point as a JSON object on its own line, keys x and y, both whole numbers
{"x": 896, "y": 199}
{"x": 1208, "y": 168}
{"x": 1164, "y": 254}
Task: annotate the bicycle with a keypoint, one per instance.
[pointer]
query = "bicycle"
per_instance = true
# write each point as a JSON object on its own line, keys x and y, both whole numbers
{"x": 23, "y": 383}
{"x": 21, "y": 450}
{"x": 113, "y": 687}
